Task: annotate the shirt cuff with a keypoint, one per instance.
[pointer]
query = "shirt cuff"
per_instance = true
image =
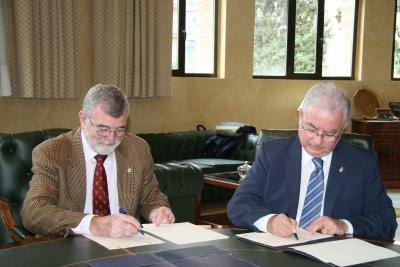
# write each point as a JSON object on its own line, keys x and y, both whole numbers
{"x": 83, "y": 226}
{"x": 261, "y": 223}
{"x": 349, "y": 225}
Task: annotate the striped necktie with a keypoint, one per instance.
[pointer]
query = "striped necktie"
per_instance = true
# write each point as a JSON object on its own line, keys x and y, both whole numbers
{"x": 315, "y": 191}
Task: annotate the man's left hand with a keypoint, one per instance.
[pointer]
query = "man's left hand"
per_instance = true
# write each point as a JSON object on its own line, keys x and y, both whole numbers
{"x": 327, "y": 226}
{"x": 162, "y": 215}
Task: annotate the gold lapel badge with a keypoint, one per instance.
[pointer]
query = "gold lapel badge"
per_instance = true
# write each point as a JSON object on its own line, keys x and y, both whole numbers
{"x": 341, "y": 169}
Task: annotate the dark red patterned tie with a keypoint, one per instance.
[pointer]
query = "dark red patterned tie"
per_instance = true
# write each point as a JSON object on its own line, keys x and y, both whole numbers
{"x": 101, "y": 204}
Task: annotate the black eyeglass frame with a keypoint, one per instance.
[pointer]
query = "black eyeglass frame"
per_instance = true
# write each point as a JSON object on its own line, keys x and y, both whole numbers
{"x": 117, "y": 133}
{"x": 314, "y": 133}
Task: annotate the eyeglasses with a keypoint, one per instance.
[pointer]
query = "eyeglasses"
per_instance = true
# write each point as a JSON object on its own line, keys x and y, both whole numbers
{"x": 104, "y": 131}
{"x": 314, "y": 133}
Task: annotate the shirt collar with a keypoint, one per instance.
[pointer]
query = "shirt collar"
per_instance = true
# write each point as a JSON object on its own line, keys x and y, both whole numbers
{"x": 306, "y": 158}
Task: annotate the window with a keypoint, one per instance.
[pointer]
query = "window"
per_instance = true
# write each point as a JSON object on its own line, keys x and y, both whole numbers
{"x": 304, "y": 39}
{"x": 194, "y": 40}
{"x": 396, "y": 44}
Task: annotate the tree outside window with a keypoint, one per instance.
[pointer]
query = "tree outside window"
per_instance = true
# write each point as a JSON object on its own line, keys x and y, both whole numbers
{"x": 396, "y": 44}
{"x": 304, "y": 39}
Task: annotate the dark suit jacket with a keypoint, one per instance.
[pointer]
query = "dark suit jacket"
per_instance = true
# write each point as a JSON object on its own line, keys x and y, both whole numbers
{"x": 356, "y": 194}
{"x": 56, "y": 199}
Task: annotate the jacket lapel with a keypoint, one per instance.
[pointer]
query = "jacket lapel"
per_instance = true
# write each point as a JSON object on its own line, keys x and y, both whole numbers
{"x": 292, "y": 165}
{"x": 337, "y": 175}
{"x": 125, "y": 172}
{"x": 77, "y": 172}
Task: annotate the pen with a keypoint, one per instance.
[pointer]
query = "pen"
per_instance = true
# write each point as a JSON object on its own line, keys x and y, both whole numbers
{"x": 121, "y": 210}
{"x": 295, "y": 235}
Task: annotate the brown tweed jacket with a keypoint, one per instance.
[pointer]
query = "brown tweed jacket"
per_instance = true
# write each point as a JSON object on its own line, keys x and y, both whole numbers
{"x": 56, "y": 198}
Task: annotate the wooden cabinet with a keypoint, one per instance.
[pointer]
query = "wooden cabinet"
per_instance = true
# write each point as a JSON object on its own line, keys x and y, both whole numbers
{"x": 386, "y": 142}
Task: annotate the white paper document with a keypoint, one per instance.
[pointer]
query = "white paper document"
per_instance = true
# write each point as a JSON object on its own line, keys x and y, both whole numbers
{"x": 340, "y": 252}
{"x": 127, "y": 242}
{"x": 270, "y": 240}
{"x": 183, "y": 233}
{"x": 347, "y": 252}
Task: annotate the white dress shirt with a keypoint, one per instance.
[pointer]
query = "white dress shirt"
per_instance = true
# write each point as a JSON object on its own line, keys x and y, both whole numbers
{"x": 307, "y": 167}
{"x": 110, "y": 165}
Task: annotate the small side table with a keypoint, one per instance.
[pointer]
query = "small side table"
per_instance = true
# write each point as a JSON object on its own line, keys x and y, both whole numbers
{"x": 213, "y": 179}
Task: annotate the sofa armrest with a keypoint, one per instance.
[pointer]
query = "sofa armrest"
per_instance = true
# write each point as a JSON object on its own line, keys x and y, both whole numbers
{"x": 180, "y": 182}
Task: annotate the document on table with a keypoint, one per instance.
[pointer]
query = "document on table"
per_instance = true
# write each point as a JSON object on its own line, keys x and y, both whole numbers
{"x": 127, "y": 242}
{"x": 346, "y": 252}
{"x": 183, "y": 233}
{"x": 269, "y": 240}
{"x": 325, "y": 248}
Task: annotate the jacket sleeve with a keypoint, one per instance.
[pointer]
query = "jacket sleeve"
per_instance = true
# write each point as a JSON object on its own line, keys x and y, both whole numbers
{"x": 46, "y": 210}
{"x": 249, "y": 202}
{"x": 376, "y": 217}
{"x": 151, "y": 196}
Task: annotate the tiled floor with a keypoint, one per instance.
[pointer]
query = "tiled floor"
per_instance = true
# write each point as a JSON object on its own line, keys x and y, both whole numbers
{"x": 394, "y": 194}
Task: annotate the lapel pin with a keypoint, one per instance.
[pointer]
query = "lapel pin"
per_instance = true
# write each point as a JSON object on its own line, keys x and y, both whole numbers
{"x": 341, "y": 169}
{"x": 129, "y": 170}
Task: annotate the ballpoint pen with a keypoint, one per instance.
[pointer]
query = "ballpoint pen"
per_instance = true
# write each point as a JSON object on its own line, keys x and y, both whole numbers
{"x": 121, "y": 210}
{"x": 295, "y": 234}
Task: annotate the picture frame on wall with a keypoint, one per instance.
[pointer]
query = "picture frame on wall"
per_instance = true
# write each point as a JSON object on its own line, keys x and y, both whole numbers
{"x": 395, "y": 107}
{"x": 384, "y": 114}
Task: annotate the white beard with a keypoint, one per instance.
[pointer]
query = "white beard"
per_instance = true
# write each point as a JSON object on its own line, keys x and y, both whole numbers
{"x": 97, "y": 144}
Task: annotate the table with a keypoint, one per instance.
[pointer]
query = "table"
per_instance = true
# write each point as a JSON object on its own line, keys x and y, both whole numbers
{"x": 385, "y": 141}
{"x": 217, "y": 180}
{"x": 77, "y": 250}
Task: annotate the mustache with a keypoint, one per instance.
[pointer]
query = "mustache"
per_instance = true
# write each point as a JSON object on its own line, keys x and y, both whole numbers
{"x": 105, "y": 142}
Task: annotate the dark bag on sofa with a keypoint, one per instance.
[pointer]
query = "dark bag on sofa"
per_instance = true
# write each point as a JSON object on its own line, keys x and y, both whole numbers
{"x": 227, "y": 135}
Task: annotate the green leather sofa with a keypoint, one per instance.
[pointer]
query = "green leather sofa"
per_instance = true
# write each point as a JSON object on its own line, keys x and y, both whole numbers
{"x": 179, "y": 181}
{"x": 189, "y": 147}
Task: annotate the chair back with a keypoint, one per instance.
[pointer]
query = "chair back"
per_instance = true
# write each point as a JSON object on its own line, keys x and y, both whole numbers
{"x": 15, "y": 175}
{"x": 361, "y": 140}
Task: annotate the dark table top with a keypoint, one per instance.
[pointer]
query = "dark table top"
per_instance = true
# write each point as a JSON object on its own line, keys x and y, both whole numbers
{"x": 78, "y": 250}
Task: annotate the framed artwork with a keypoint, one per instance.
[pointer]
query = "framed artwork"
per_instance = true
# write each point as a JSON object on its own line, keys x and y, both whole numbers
{"x": 395, "y": 107}
{"x": 384, "y": 114}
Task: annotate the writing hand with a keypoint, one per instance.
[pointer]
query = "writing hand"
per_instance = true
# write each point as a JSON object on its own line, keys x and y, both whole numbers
{"x": 327, "y": 226}
{"x": 115, "y": 226}
{"x": 162, "y": 215}
{"x": 282, "y": 226}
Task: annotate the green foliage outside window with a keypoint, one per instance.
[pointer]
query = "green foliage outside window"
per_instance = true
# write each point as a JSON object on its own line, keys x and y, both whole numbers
{"x": 270, "y": 37}
{"x": 396, "y": 60}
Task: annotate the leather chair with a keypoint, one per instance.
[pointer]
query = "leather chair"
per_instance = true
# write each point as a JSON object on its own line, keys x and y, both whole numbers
{"x": 361, "y": 140}
{"x": 15, "y": 175}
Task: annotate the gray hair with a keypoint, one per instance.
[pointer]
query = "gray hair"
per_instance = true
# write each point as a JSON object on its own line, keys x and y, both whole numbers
{"x": 329, "y": 97}
{"x": 111, "y": 99}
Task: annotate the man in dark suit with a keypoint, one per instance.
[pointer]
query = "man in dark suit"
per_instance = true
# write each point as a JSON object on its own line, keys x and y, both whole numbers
{"x": 68, "y": 194}
{"x": 322, "y": 182}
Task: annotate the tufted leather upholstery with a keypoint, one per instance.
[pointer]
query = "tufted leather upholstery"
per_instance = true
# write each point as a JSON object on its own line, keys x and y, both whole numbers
{"x": 189, "y": 147}
{"x": 180, "y": 182}
{"x": 15, "y": 175}
{"x": 361, "y": 140}
{"x": 178, "y": 147}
